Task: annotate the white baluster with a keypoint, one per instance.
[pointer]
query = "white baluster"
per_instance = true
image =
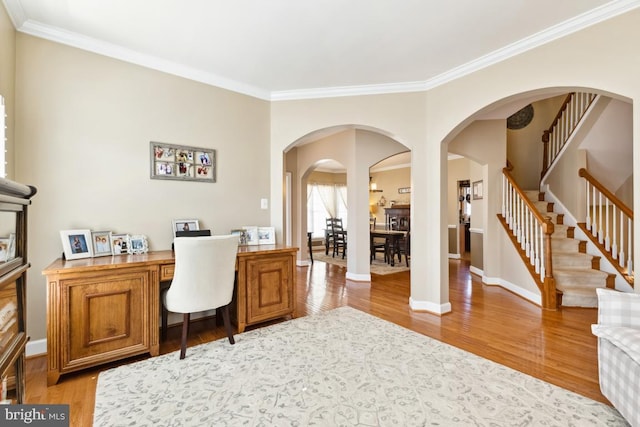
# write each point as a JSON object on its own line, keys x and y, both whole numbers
{"x": 621, "y": 259}
{"x": 614, "y": 246}
{"x": 588, "y": 218}
{"x": 601, "y": 232}
{"x": 504, "y": 194}
{"x": 629, "y": 249}
{"x": 542, "y": 272}
{"x": 607, "y": 239}
{"x": 537, "y": 246}
{"x": 594, "y": 213}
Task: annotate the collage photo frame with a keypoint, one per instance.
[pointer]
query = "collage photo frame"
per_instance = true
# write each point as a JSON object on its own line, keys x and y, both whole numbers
{"x": 183, "y": 163}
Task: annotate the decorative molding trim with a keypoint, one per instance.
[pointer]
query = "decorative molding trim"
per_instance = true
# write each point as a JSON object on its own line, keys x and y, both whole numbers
{"x": 36, "y": 348}
{"x": 476, "y": 271}
{"x": 429, "y": 306}
{"x": 110, "y": 50}
{"x": 521, "y": 292}
{"x": 570, "y": 26}
{"x": 587, "y": 19}
{"x": 358, "y": 277}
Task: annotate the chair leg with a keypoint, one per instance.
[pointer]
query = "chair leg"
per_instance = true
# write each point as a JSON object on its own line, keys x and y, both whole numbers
{"x": 185, "y": 333}
{"x": 165, "y": 315}
{"x": 227, "y": 323}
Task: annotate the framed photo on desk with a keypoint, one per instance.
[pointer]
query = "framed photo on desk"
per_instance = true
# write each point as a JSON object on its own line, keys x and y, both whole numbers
{"x": 76, "y": 244}
{"x": 185, "y": 225}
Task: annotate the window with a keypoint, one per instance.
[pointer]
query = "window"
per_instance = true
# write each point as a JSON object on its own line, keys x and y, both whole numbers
{"x": 321, "y": 199}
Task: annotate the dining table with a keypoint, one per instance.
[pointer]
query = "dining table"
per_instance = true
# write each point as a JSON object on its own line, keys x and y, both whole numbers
{"x": 393, "y": 238}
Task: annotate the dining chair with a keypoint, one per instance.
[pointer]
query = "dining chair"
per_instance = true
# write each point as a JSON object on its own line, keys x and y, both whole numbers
{"x": 404, "y": 247}
{"x": 336, "y": 237}
{"x": 377, "y": 245}
{"x": 203, "y": 280}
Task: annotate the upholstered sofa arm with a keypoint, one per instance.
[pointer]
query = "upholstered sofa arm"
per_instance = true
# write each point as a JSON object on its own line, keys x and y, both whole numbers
{"x": 626, "y": 339}
{"x": 618, "y": 308}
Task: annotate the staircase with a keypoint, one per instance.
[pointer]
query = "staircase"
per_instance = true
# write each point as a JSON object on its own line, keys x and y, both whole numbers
{"x": 576, "y": 273}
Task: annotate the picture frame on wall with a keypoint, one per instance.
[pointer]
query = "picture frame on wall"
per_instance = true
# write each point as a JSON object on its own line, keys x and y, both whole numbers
{"x": 266, "y": 235}
{"x": 477, "y": 190}
{"x": 182, "y": 162}
{"x": 184, "y": 225}
{"x": 101, "y": 241}
{"x": 76, "y": 244}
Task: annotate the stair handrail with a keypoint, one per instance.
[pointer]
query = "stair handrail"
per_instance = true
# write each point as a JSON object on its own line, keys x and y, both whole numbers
{"x": 566, "y": 121}
{"x": 532, "y": 231}
{"x": 608, "y": 233}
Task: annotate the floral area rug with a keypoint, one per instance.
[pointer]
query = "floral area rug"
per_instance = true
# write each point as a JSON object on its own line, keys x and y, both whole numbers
{"x": 339, "y": 368}
{"x": 377, "y": 266}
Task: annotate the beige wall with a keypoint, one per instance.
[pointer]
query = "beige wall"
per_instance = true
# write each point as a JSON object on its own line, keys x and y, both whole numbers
{"x": 84, "y": 123}
{"x": 389, "y": 181}
{"x": 524, "y": 146}
{"x": 7, "y": 86}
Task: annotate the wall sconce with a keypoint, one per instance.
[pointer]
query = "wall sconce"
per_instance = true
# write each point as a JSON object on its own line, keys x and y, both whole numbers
{"x": 373, "y": 188}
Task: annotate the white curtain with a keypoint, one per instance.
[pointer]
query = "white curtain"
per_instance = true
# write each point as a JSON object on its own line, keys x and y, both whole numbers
{"x": 342, "y": 191}
{"x": 328, "y": 196}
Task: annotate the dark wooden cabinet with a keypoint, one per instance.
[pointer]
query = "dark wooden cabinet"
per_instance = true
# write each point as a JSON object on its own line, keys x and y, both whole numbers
{"x": 398, "y": 217}
{"x": 14, "y": 202}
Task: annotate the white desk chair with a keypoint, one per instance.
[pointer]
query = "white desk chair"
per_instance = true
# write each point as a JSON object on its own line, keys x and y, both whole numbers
{"x": 203, "y": 280}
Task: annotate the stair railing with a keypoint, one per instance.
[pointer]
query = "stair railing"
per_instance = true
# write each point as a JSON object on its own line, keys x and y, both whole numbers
{"x": 611, "y": 224}
{"x": 532, "y": 232}
{"x": 555, "y": 138}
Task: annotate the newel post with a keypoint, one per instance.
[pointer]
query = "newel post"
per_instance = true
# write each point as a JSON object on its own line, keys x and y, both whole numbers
{"x": 545, "y": 152}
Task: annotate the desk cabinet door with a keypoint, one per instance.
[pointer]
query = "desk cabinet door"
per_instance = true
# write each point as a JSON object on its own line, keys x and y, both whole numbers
{"x": 108, "y": 318}
{"x": 269, "y": 287}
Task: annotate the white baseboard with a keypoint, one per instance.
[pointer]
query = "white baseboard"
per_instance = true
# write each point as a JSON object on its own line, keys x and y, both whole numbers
{"x": 521, "y": 292}
{"x": 476, "y": 271}
{"x": 36, "y": 347}
{"x": 303, "y": 262}
{"x": 358, "y": 277}
{"x": 438, "y": 309}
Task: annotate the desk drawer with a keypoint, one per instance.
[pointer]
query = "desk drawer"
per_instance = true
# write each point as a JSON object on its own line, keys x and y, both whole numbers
{"x": 166, "y": 272}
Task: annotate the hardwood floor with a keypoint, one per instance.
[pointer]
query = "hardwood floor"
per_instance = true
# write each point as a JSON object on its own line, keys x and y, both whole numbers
{"x": 491, "y": 322}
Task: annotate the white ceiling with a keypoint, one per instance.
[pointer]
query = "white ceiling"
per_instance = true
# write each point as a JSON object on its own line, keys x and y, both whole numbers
{"x": 293, "y": 49}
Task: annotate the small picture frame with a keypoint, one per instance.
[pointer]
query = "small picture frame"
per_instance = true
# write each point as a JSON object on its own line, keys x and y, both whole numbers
{"x": 76, "y": 244}
{"x": 252, "y": 235}
{"x": 184, "y": 225}
{"x": 477, "y": 190}
{"x": 138, "y": 244}
{"x": 404, "y": 190}
{"x": 266, "y": 235}
{"x": 120, "y": 244}
{"x": 181, "y": 162}
{"x": 242, "y": 236}
{"x": 8, "y": 248}
{"x": 101, "y": 241}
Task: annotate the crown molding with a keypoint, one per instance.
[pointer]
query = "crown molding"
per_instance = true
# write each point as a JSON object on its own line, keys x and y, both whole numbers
{"x": 602, "y": 13}
{"x": 587, "y": 19}
{"x": 99, "y": 47}
{"x": 16, "y": 12}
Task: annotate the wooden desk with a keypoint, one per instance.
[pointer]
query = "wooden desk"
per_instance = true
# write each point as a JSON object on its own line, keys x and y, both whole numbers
{"x": 104, "y": 309}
